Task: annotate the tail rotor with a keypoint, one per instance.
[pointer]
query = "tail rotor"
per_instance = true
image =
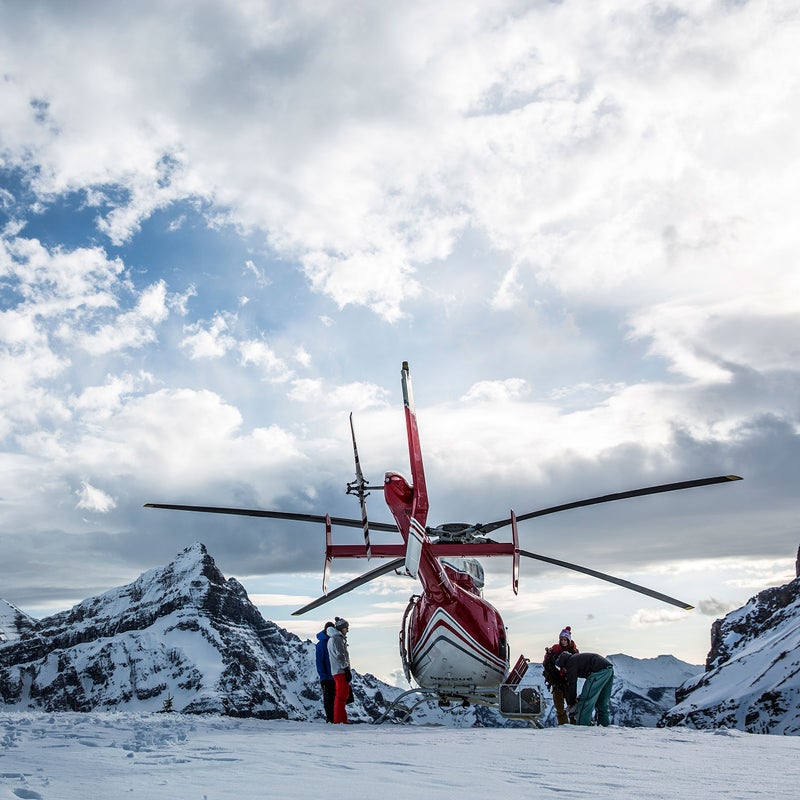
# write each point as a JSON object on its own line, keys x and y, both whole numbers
{"x": 359, "y": 488}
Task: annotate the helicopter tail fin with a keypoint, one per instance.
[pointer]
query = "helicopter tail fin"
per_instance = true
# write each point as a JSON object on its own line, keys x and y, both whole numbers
{"x": 420, "y": 508}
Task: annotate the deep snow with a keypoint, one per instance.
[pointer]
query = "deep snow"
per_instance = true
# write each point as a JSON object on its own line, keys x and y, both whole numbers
{"x": 71, "y": 756}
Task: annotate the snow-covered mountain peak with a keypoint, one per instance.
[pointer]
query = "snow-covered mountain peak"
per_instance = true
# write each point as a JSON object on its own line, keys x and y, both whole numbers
{"x": 664, "y": 670}
{"x": 181, "y": 631}
{"x": 13, "y": 622}
{"x": 752, "y": 678}
{"x": 187, "y": 576}
{"x": 186, "y": 582}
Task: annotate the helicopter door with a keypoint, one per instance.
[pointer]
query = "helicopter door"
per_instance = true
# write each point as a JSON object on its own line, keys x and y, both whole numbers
{"x": 404, "y": 637}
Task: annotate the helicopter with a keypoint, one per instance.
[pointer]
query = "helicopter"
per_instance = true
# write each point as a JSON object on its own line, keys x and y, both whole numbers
{"x": 453, "y": 642}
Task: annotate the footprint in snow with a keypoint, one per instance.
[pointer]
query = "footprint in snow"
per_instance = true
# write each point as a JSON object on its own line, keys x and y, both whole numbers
{"x": 28, "y": 794}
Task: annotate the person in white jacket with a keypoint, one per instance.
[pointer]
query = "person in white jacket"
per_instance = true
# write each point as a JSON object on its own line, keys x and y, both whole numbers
{"x": 340, "y": 667}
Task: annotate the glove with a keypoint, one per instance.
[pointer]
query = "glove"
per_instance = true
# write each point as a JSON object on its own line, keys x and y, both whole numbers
{"x": 348, "y": 675}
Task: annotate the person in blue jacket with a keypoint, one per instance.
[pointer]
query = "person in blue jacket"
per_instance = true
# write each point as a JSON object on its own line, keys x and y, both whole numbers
{"x": 324, "y": 671}
{"x": 596, "y": 692}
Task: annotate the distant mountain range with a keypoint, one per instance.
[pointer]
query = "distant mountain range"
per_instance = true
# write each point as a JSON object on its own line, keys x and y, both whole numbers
{"x": 185, "y": 637}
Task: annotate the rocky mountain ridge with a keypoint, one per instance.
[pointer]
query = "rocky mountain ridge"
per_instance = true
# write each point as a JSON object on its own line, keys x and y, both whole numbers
{"x": 183, "y": 632}
{"x": 752, "y": 677}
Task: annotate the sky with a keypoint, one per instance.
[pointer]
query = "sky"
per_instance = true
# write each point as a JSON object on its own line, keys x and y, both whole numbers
{"x": 115, "y": 755}
{"x": 224, "y": 225}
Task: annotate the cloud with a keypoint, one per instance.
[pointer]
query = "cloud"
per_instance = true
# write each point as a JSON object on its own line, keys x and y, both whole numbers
{"x": 302, "y": 356}
{"x": 707, "y": 342}
{"x": 356, "y": 396}
{"x": 646, "y": 617}
{"x": 258, "y": 273}
{"x": 217, "y": 338}
{"x": 99, "y": 402}
{"x": 186, "y": 436}
{"x": 462, "y": 129}
{"x": 94, "y": 499}
{"x": 261, "y": 355}
{"x": 296, "y": 601}
{"x": 497, "y": 391}
{"x": 209, "y": 340}
{"x": 131, "y": 329}
{"x": 714, "y": 608}
{"x": 57, "y": 282}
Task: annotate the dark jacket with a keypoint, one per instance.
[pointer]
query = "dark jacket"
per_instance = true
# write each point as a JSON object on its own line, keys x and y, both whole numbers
{"x": 582, "y": 665}
{"x": 323, "y": 659}
{"x": 552, "y": 676}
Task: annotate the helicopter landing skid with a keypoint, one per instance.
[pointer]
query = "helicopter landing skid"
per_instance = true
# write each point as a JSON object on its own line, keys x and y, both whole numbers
{"x": 407, "y": 711}
{"x": 514, "y": 703}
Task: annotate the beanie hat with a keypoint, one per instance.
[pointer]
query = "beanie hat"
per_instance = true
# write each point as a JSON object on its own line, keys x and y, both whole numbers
{"x": 561, "y": 661}
{"x": 341, "y": 623}
{"x": 566, "y": 634}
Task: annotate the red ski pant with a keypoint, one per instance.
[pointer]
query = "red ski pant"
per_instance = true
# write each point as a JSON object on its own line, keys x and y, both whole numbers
{"x": 342, "y": 693}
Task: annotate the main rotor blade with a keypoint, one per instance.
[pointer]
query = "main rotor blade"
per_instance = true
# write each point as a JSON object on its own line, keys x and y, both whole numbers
{"x": 608, "y": 498}
{"x": 611, "y": 579}
{"x": 248, "y": 512}
{"x": 350, "y": 585}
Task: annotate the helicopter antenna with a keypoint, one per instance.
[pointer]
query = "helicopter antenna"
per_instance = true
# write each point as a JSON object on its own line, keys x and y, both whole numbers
{"x": 359, "y": 488}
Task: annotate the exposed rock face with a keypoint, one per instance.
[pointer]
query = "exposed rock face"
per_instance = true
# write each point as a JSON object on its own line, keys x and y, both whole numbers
{"x": 182, "y": 631}
{"x": 13, "y": 622}
{"x": 752, "y": 678}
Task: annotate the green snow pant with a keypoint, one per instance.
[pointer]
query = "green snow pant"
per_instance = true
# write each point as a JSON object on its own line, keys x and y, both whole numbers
{"x": 596, "y": 692}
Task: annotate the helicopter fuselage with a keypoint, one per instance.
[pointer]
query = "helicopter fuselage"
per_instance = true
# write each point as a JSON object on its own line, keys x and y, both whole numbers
{"x": 459, "y": 648}
{"x": 452, "y": 640}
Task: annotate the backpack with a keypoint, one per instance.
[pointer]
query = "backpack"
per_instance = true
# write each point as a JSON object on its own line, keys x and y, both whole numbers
{"x": 550, "y": 672}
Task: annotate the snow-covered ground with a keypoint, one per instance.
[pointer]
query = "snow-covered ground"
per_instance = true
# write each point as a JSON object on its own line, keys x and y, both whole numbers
{"x": 106, "y": 755}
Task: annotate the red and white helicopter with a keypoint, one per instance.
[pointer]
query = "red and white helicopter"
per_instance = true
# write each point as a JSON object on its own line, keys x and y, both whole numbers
{"x": 452, "y": 641}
